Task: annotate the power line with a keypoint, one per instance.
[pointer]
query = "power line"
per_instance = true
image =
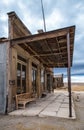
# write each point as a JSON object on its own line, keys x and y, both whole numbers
{"x": 43, "y": 15}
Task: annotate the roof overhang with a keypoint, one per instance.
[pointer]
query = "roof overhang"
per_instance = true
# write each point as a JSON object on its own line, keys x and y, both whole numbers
{"x": 49, "y": 47}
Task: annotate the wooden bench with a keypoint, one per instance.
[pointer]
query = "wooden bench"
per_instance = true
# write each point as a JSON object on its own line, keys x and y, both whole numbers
{"x": 22, "y": 99}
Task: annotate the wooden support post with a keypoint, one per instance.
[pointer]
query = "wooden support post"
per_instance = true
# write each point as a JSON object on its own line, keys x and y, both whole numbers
{"x": 69, "y": 75}
{"x": 30, "y": 75}
{"x": 38, "y": 81}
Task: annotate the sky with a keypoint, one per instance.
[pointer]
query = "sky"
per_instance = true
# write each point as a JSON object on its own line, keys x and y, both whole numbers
{"x": 58, "y": 14}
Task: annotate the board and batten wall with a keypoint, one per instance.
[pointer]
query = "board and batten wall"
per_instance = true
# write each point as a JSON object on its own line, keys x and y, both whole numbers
{"x": 3, "y": 83}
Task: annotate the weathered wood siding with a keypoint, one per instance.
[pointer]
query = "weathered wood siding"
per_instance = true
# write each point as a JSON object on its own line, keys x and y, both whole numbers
{"x": 16, "y": 26}
{"x": 2, "y": 77}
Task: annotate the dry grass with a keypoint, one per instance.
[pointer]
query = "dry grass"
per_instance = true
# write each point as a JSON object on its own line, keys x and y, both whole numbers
{"x": 74, "y": 87}
{"x": 77, "y": 88}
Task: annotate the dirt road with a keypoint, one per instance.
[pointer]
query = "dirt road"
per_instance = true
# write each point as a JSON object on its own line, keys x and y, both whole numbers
{"x": 49, "y": 123}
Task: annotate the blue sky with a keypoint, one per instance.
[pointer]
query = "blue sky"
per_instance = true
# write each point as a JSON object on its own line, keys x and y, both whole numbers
{"x": 58, "y": 14}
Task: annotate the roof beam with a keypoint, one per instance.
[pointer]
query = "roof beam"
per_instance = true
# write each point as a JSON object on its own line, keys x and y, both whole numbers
{"x": 35, "y": 54}
{"x": 38, "y": 37}
{"x": 62, "y": 48}
{"x": 49, "y": 54}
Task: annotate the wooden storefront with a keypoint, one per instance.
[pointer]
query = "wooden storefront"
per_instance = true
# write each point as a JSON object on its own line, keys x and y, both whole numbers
{"x": 30, "y": 58}
{"x": 58, "y": 81}
{"x": 24, "y": 73}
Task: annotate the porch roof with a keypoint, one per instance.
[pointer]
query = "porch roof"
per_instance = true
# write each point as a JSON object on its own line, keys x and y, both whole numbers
{"x": 49, "y": 47}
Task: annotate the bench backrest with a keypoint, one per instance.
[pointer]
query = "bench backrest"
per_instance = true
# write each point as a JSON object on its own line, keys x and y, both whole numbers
{"x": 23, "y": 96}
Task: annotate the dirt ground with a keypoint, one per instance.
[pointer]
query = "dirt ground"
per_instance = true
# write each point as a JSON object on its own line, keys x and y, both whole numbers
{"x": 74, "y": 87}
{"x": 78, "y": 87}
{"x": 49, "y": 123}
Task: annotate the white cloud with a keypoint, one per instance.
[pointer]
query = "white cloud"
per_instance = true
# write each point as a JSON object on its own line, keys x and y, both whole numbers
{"x": 81, "y": 60}
{"x": 79, "y": 36}
{"x": 78, "y": 5}
{"x": 32, "y": 22}
{"x": 76, "y": 79}
{"x": 4, "y": 24}
{"x": 78, "y": 53}
{"x": 55, "y": 19}
{"x": 78, "y": 71}
{"x": 22, "y": 6}
{"x": 5, "y": 30}
{"x": 79, "y": 21}
{"x": 3, "y": 17}
{"x": 7, "y": 2}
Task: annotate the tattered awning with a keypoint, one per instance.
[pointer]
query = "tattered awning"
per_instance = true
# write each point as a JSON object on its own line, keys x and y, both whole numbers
{"x": 49, "y": 47}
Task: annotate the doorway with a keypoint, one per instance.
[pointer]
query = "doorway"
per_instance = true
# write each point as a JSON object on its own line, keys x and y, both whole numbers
{"x": 48, "y": 82}
{"x": 34, "y": 78}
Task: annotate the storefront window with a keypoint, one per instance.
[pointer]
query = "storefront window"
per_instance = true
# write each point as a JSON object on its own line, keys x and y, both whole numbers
{"x": 21, "y": 77}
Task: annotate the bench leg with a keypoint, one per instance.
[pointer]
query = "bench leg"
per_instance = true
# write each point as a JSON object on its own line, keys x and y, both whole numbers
{"x": 17, "y": 107}
{"x": 24, "y": 105}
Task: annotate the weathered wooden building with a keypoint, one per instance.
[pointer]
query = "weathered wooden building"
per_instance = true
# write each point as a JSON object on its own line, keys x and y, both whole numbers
{"x": 26, "y": 60}
{"x": 58, "y": 81}
{"x": 19, "y": 71}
